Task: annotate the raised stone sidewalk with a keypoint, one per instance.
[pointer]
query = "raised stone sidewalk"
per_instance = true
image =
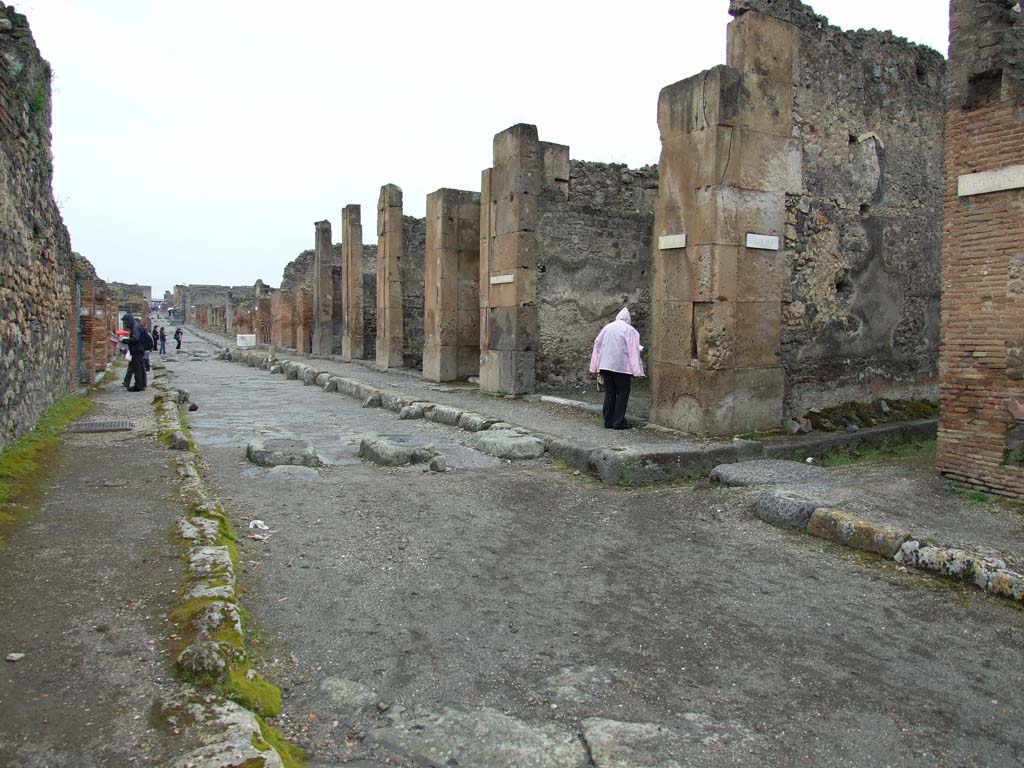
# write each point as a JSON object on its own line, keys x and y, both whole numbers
{"x": 567, "y": 431}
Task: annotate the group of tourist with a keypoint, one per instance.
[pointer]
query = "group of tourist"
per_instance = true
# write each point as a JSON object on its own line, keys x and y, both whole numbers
{"x": 140, "y": 343}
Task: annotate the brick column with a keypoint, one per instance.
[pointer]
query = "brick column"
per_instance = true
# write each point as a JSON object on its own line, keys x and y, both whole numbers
{"x": 981, "y": 360}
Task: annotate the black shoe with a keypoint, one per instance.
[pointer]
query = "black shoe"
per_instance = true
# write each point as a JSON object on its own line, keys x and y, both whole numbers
{"x": 624, "y": 425}
{"x": 136, "y": 389}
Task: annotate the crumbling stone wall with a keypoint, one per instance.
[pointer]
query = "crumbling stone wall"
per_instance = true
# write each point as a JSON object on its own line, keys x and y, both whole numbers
{"x": 414, "y": 251}
{"x": 37, "y": 274}
{"x": 861, "y": 314}
{"x": 369, "y": 300}
{"x": 595, "y": 258}
{"x": 981, "y": 424}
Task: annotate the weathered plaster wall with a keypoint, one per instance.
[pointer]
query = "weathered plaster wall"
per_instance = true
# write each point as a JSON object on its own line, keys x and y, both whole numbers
{"x": 595, "y": 258}
{"x": 38, "y": 344}
{"x": 861, "y": 318}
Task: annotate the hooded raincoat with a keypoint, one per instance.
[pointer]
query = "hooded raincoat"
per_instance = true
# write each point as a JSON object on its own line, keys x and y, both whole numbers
{"x": 617, "y": 347}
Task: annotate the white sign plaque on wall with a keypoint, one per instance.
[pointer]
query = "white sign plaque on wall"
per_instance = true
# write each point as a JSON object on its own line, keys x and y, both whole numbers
{"x": 667, "y": 242}
{"x": 764, "y": 242}
{"x": 500, "y": 279}
{"x": 984, "y": 182}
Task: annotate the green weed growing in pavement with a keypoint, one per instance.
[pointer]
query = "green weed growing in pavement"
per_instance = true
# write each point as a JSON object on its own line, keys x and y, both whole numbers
{"x": 23, "y": 465}
{"x": 888, "y": 452}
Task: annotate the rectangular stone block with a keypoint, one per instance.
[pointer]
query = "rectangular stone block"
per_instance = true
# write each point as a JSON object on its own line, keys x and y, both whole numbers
{"x": 693, "y": 400}
{"x": 672, "y": 332}
{"x": 767, "y": 104}
{"x": 507, "y": 372}
{"x": 768, "y": 162}
{"x": 758, "y": 327}
{"x": 512, "y": 328}
{"x": 760, "y": 275}
{"x": 518, "y": 141}
{"x": 758, "y": 401}
{"x": 515, "y": 212}
{"x": 513, "y": 250}
{"x": 762, "y": 45}
{"x": 700, "y": 102}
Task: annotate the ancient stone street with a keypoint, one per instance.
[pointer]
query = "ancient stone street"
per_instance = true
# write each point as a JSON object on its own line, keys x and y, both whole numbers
{"x": 515, "y": 614}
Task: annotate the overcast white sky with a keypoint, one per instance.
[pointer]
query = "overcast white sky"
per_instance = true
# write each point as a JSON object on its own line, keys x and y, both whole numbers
{"x": 197, "y": 141}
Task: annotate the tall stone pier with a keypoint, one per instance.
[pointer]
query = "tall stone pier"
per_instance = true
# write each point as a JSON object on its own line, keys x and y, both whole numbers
{"x": 352, "y": 283}
{"x": 727, "y": 162}
{"x": 389, "y": 277}
{"x": 451, "y": 348}
{"x": 282, "y": 310}
{"x": 523, "y": 168}
{"x": 323, "y": 338}
{"x": 981, "y": 364}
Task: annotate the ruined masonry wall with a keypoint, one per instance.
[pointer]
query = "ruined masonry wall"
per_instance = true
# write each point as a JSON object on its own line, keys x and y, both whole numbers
{"x": 38, "y": 346}
{"x": 595, "y": 257}
{"x": 369, "y": 301}
{"x": 861, "y": 319}
{"x": 414, "y": 251}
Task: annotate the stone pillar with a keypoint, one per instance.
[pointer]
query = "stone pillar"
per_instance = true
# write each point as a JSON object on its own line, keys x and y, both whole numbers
{"x": 389, "y": 277}
{"x": 451, "y": 316}
{"x": 981, "y": 359}
{"x": 262, "y": 320}
{"x": 323, "y": 340}
{"x": 304, "y": 324}
{"x": 727, "y": 162}
{"x": 282, "y": 310}
{"x": 508, "y": 257}
{"x": 351, "y": 283}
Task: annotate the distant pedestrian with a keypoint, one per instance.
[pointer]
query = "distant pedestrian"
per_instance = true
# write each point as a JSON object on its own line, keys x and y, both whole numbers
{"x": 177, "y": 339}
{"x": 616, "y": 357}
{"x": 137, "y": 350}
{"x": 163, "y": 340}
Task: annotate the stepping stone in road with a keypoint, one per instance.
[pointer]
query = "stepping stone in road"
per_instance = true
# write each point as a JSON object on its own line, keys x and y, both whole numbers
{"x": 281, "y": 450}
{"x": 767, "y": 472}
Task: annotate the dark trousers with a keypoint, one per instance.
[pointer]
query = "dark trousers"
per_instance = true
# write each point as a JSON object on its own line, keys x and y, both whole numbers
{"x": 616, "y": 397}
{"x": 136, "y": 370}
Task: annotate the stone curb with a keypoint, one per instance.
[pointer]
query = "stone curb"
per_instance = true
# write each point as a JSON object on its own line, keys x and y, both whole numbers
{"x": 632, "y": 466}
{"x": 228, "y": 732}
{"x": 406, "y": 406}
{"x": 987, "y": 573}
{"x": 643, "y": 465}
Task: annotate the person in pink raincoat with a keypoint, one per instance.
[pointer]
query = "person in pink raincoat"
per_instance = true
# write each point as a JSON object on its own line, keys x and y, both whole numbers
{"x": 616, "y": 357}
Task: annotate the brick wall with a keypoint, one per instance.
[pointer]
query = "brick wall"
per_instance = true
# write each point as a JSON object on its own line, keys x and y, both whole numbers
{"x": 981, "y": 362}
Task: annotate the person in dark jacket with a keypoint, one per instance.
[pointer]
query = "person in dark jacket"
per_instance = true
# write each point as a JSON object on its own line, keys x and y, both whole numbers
{"x": 137, "y": 350}
{"x": 177, "y": 339}
{"x": 163, "y": 340}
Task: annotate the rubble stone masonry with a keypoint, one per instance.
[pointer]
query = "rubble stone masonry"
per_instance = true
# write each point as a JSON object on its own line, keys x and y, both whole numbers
{"x": 594, "y": 258}
{"x": 38, "y": 345}
{"x": 981, "y": 364}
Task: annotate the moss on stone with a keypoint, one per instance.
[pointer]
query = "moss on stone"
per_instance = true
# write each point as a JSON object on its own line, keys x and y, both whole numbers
{"x": 839, "y": 417}
{"x": 251, "y": 691}
{"x": 291, "y": 756}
